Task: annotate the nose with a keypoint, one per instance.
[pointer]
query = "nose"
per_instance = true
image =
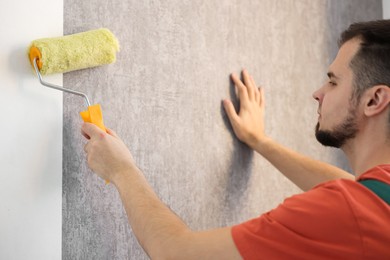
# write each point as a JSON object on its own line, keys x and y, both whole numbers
{"x": 318, "y": 95}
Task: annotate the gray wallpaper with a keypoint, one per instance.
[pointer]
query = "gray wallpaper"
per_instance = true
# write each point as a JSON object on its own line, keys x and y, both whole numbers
{"x": 163, "y": 97}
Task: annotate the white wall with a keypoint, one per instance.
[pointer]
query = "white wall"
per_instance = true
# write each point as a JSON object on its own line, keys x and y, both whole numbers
{"x": 31, "y": 136}
{"x": 386, "y": 9}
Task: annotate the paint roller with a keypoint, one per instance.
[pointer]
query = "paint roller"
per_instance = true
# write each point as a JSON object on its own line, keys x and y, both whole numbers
{"x": 73, "y": 52}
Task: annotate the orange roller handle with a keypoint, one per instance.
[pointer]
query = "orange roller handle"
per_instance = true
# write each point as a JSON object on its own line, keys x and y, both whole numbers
{"x": 94, "y": 115}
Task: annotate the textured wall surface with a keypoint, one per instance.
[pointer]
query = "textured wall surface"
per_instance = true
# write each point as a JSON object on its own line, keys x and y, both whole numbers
{"x": 163, "y": 97}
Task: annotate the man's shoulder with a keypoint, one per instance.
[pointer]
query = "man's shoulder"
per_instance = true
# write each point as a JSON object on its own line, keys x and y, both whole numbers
{"x": 338, "y": 201}
{"x": 324, "y": 199}
{"x": 380, "y": 172}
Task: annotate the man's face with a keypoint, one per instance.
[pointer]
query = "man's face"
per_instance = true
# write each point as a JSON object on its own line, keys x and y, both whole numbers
{"x": 337, "y": 114}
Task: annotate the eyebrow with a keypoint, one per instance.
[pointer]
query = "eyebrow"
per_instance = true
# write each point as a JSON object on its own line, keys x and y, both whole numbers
{"x": 332, "y": 75}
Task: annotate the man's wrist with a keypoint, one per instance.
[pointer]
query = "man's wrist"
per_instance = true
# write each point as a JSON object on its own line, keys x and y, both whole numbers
{"x": 261, "y": 145}
{"x": 120, "y": 176}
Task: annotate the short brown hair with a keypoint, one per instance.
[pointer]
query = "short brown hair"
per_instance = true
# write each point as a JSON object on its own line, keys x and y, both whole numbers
{"x": 371, "y": 63}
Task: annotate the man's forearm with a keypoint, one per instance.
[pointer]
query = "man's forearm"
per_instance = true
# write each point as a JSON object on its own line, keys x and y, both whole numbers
{"x": 155, "y": 226}
{"x": 161, "y": 233}
{"x": 301, "y": 170}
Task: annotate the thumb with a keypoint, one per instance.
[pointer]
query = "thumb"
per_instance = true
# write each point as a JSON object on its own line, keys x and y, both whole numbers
{"x": 230, "y": 111}
{"x": 90, "y": 130}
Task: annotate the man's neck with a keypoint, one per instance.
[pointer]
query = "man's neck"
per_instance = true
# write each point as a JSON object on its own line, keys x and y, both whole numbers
{"x": 366, "y": 152}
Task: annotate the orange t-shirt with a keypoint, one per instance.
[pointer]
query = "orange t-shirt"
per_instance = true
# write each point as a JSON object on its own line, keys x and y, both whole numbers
{"x": 339, "y": 219}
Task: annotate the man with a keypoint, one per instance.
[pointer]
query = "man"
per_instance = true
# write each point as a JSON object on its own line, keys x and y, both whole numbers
{"x": 336, "y": 218}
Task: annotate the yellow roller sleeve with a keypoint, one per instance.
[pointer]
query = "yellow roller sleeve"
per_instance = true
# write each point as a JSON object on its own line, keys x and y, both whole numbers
{"x": 94, "y": 115}
{"x": 75, "y": 51}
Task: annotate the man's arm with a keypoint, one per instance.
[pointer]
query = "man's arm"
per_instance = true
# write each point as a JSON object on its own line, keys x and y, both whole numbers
{"x": 161, "y": 233}
{"x": 248, "y": 125}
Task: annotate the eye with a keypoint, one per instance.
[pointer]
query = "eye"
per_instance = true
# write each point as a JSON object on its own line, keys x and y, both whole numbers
{"x": 332, "y": 83}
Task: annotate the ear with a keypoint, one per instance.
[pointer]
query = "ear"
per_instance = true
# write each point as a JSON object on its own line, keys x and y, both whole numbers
{"x": 377, "y": 99}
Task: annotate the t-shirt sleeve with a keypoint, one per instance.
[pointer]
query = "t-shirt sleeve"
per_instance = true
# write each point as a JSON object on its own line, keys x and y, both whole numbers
{"x": 304, "y": 226}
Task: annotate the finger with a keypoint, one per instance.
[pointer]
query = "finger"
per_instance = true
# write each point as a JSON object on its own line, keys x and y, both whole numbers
{"x": 248, "y": 83}
{"x": 112, "y": 132}
{"x": 257, "y": 95}
{"x": 253, "y": 81}
{"x": 262, "y": 99}
{"x": 91, "y": 130}
{"x": 85, "y": 135}
{"x": 242, "y": 91}
{"x": 230, "y": 111}
{"x": 255, "y": 89}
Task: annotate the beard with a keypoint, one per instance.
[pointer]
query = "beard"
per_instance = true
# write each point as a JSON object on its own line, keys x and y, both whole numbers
{"x": 340, "y": 134}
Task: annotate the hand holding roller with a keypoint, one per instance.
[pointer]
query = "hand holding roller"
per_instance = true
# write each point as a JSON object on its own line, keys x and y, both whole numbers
{"x": 74, "y": 52}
